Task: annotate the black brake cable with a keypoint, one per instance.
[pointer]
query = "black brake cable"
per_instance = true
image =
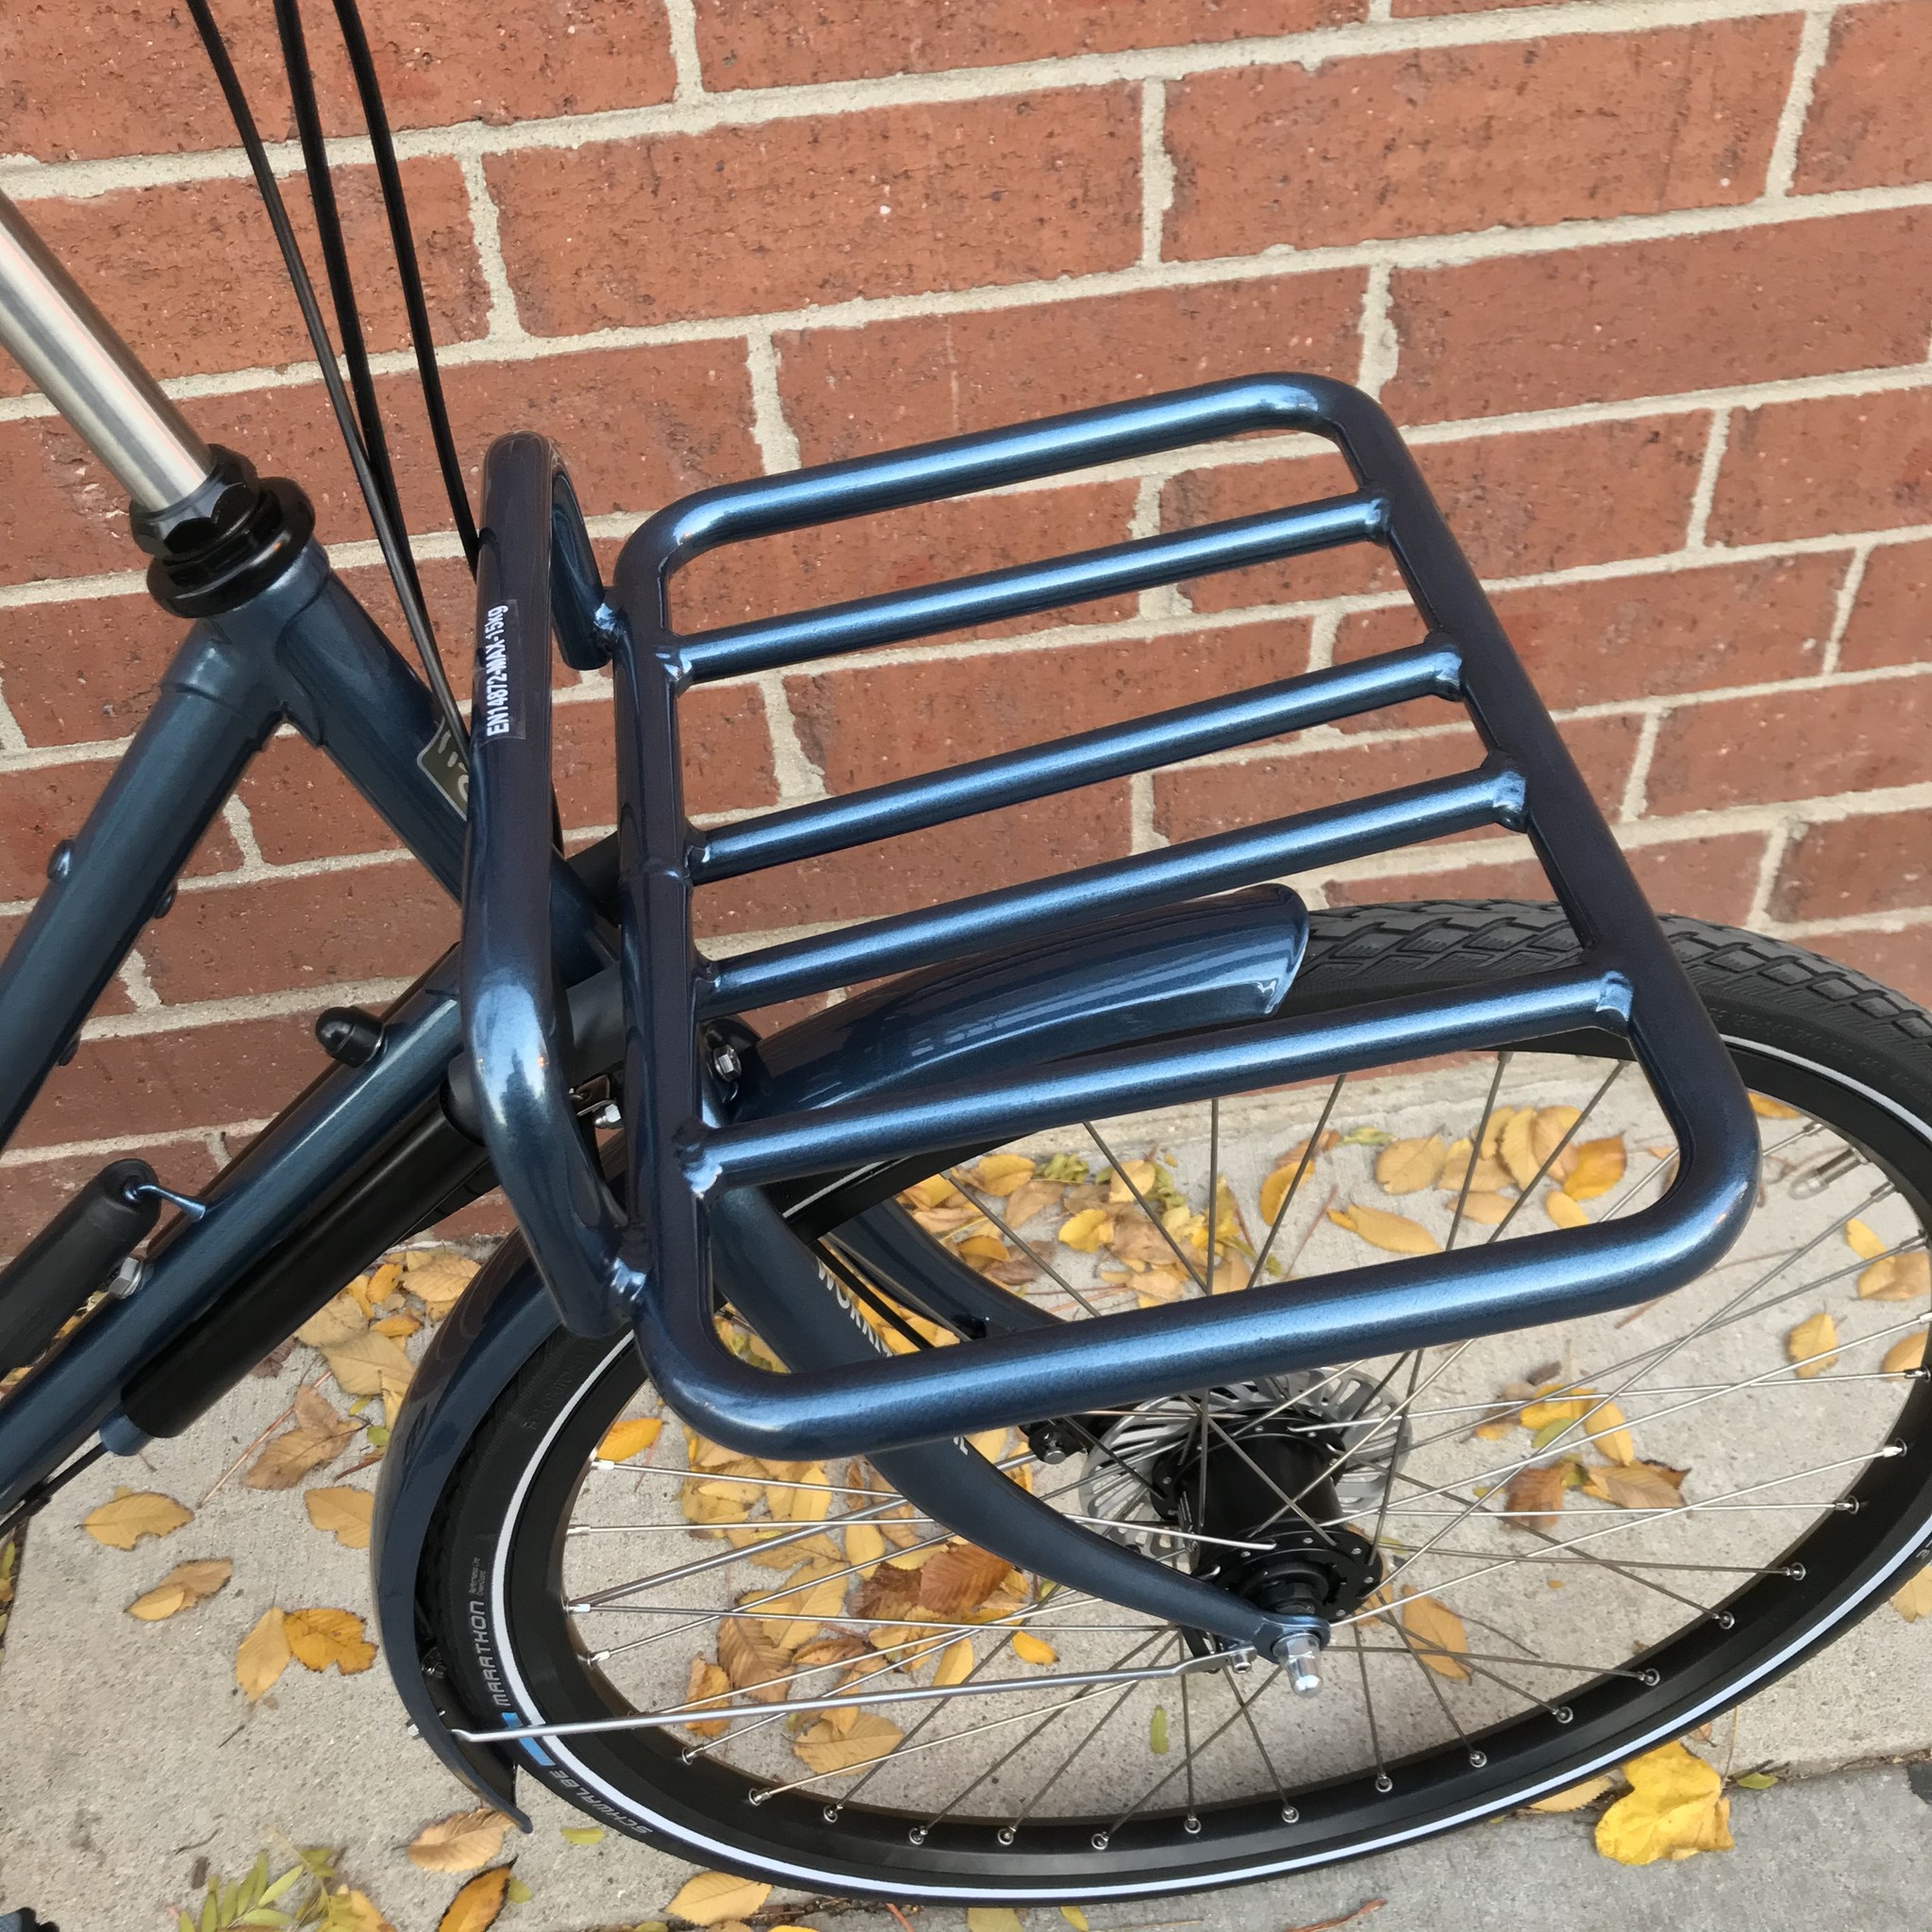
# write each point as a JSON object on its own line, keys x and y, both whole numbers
{"x": 393, "y": 553}
{"x": 409, "y": 273}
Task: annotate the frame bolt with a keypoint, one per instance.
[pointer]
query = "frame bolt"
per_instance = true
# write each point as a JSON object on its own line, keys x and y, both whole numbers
{"x": 349, "y": 1035}
{"x": 60, "y": 861}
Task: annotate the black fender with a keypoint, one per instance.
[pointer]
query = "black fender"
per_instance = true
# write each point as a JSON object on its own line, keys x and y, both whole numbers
{"x": 1213, "y": 962}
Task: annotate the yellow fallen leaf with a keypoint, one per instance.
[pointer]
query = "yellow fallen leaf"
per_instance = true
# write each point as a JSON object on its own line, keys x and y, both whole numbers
{"x": 1493, "y": 1130}
{"x": 1074, "y": 1916}
{"x": 335, "y": 1322}
{"x": 1397, "y": 1233}
{"x": 1406, "y": 1167}
{"x": 1000, "y": 1175}
{"x": 956, "y": 1663}
{"x": 1534, "y": 1498}
{"x": 438, "y": 1281}
{"x": 1546, "y": 1134}
{"x": 1576, "y": 1797}
{"x": 1897, "y": 1278}
{"x": 1034, "y": 1650}
{"x": 1274, "y": 1188}
{"x": 476, "y": 1907}
{"x": 1087, "y": 1230}
{"x": 128, "y": 1515}
{"x": 1675, "y": 1808}
{"x": 285, "y": 1459}
{"x": 865, "y": 1543}
{"x": 1599, "y": 1166}
{"x": 1865, "y": 1244}
{"x": 397, "y": 1327}
{"x": 263, "y": 1655}
{"x": 581, "y": 1834}
{"x": 1028, "y": 1199}
{"x": 936, "y": 1190}
{"x": 320, "y": 1638}
{"x": 629, "y": 1437}
{"x": 345, "y": 1909}
{"x": 983, "y": 1251}
{"x": 992, "y": 1919}
{"x": 706, "y": 1685}
{"x": 1563, "y": 1209}
{"x": 1490, "y": 1175}
{"x": 712, "y": 1896}
{"x": 1816, "y": 1335}
{"x": 1914, "y": 1598}
{"x": 1606, "y": 1429}
{"x": 519, "y": 1893}
{"x": 752, "y": 1661}
{"x": 185, "y": 1584}
{"x": 1905, "y": 1355}
{"x": 1487, "y": 1209}
{"x": 1635, "y": 1486}
{"x": 826, "y": 1747}
{"x": 368, "y": 1364}
{"x": 343, "y": 1514}
{"x": 1517, "y": 1147}
{"x": 463, "y": 1841}
{"x": 1438, "y": 1634}
{"x": 1767, "y": 1108}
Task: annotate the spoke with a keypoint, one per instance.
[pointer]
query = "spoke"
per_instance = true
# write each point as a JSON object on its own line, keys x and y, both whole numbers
{"x": 1482, "y": 1128}
{"x": 1100, "y": 1723}
{"x": 1287, "y": 1810}
{"x": 1409, "y": 1650}
{"x": 1383, "y": 1781}
{"x": 1027, "y": 1248}
{"x": 1187, "y": 1735}
{"x": 1307, "y": 1162}
{"x": 1550, "y": 1159}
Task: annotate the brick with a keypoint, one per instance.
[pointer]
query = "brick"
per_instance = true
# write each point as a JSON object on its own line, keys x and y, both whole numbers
{"x": 1707, "y": 879}
{"x": 1901, "y": 960}
{"x": 1663, "y": 317}
{"x": 1409, "y": 9}
{"x": 1811, "y": 469}
{"x": 75, "y": 673}
{"x": 847, "y": 391}
{"x": 1867, "y": 127}
{"x": 798, "y": 212}
{"x": 190, "y": 275}
{"x": 872, "y": 724}
{"x": 1891, "y": 617}
{"x": 751, "y": 43}
{"x": 1807, "y": 745}
{"x": 867, "y": 556}
{"x": 135, "y": 1086}
{"x": 1544, "y": 500}
{"x": 1191, "y": 802}
{"x": 42, "y": 805}
{"x": 1650, "y": 635}
{"x": 379, "y": 922}
{"x": 1455, "y": 139}
{"x": 129, "y": 76}
{"x": 1880, "y": 862}
{"x": 33, "y": 1191}
{"x": 1025, "y": 842}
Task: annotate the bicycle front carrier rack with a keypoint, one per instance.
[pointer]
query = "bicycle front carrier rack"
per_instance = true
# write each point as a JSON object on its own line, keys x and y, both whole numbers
{"x": 688, "y": 1149}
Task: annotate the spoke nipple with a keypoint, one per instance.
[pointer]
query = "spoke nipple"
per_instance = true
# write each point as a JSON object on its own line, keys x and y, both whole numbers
{"x": 830, "y": 1814}
{"x": 1651, "y": 1679}
{"x": 1006, "y": 1834}
{"x": 1796, "y": 1571}
{"x": 1192, "y": 1825}
{"x": 916, "y": 1836}
{"x": 757, "y": 1797}
{"x": 1562, "y": 1713}
{"x": 1479, "y": 1759}
{"x": 1099, "y": 1841}
{"x": 1384, "y": 1783}
{"x": 1723, "y": 1619}
{"x": 1290, "y": 1815}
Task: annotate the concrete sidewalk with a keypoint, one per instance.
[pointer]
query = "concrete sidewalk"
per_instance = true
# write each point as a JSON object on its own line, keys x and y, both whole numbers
{"x": 127, "y": 1755}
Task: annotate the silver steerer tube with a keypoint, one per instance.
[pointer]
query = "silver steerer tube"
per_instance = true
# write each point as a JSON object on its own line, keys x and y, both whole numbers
{"x": 89, "y": 374}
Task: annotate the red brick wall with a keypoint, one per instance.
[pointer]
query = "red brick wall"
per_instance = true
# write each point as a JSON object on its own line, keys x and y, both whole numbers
{"x": 1650, "y": 285}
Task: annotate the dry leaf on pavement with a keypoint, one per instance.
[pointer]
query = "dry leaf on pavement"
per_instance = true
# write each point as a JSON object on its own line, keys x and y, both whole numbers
{"x": 712, "y": 1896}
{"x": 1905, "y": 1354}
{"x": 1809, "y": 1345}
{"x": 185, "y": 1584}
{"x": 1534, "y": 1498}
{"x": 263, "y": 1655}
{"x": 1863, "y": 1240}
{"x": 1034, "y": 1650}
{"x": 1897, "y": 1278}
{"x": 1767, "y": 1108}
{"x": 630, "y": 1438}
{"x": 1087, "y": 1231}
{"x": 958, "y": 1577}
{"x": 438, "y": 1281}
{"x": 1598, "y": 1166}
{"x": 1635, "y": 1486}
{"x": 463, "y": 1841}
{"x": 754, "y": 1663}
{"x": 318, "y": 1437}
{"x": 128, "y": 1515}
{"x": 1563, "y": 1209}
{"x": 1576, "y": 1797}
{"x": 345, "y": 1909}
{"x": 826, "y": 1748}
{"x": 1675, "y": 1808}
{"x": 343, "y": 1513}
{"x": 368, "y": 1364}
{"x": 1397, "y": 1233}
{"x": 476, "y": 1907}
{"x": 319, "y": 1638}
{"x": 334, "y": 1322}
{"x": 955, "y": 1665}
{"x": 1406, "y": 1167}
{"x": 1913, "y": 1599}
{"x": 1438, "y": 1634}
{"x": 992, "y": 1919}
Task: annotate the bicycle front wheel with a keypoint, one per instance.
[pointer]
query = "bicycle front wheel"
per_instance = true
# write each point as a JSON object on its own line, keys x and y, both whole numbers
{"x": 1542, "y": 1550}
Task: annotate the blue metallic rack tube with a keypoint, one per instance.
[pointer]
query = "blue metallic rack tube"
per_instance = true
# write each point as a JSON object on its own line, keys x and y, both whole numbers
{"x": 652, "y": 1267}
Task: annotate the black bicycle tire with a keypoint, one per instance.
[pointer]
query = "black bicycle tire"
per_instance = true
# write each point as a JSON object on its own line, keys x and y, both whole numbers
{"x": 1785, "y": 1005}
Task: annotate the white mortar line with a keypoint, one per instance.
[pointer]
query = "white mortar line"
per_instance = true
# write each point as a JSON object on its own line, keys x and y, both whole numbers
{"x": 1637, "y": 786}
{"x": 190, "y": 1014}
{"x": 1814, "y": 41}
{"x": 692, "y": 111}
{"x": 1907, "y": 919}
{"x": 134, "y": 979}
{"x": 1144, "y": 836}
{"x": 13, "y": 741}
{"x": 796, "y": 776}
{"x": 242, "y": 829}
{"x": 1157, "y": 171}
{"x": 1715, "y": 444}
{"x": 502, "y": 324}
{"x": 1847, "y": 601}
{"x": 1381, "y": 344}
{"x": 683, "y": 20}
{"x": 112, "y": 1144}
{"x": 776, "y": 443}
{"x": 1767, "y": 864}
